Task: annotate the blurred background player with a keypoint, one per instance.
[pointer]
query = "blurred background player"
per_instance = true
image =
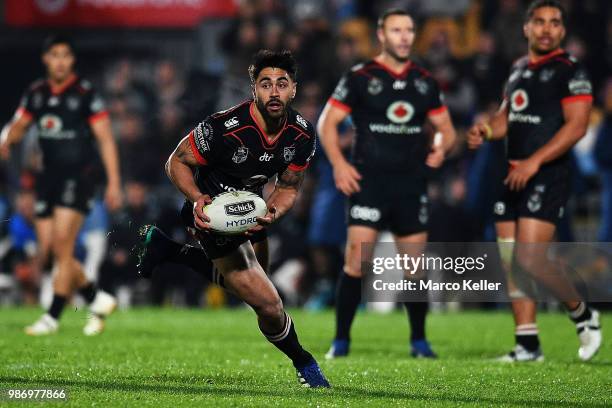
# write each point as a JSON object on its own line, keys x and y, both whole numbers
{"x": 390, "y": 100}
{"x": 67, "y": 113}
{"x": 241, "y": 148}
{"x": 545, "y": 112}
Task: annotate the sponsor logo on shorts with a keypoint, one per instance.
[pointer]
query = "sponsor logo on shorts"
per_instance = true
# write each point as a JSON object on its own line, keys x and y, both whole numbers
{"x": 365, "y": 213}
{"x": 423, "y": 211}
{"x": 499, "y": 208}
{"x": 240, "y": 209}
{"x": 535, "y": 202}
{"x": 40, "y": 207}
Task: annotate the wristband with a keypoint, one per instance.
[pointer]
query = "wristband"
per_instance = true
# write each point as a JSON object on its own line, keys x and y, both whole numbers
{"x": 488, "y": 131}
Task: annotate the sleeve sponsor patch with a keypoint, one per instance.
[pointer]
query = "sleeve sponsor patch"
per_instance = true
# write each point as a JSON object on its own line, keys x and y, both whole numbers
{"x": 341, "y": 91}
{"x": 202, "y": 136}
{"x": 580, "y": 84}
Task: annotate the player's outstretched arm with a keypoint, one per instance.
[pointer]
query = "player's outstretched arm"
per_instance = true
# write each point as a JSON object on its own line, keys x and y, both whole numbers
{"x": 179, "y": 170}
{"x": 103, "y": 133}
{"x": 12, "y": 133}
{"x": 345, "y": 175}
{"x": 495, "y": 129}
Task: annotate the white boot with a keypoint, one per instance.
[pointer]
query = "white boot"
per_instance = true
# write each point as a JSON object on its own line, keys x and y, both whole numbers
{"x": 43, "y": 326}
{"x": 101, "y": 307}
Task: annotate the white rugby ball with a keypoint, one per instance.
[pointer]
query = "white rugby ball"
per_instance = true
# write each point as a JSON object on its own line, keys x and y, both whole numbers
{"x": 234, "y": 212}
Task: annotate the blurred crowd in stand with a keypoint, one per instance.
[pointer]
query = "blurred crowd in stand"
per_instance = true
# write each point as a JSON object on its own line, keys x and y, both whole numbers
{"x": 467, "y": 45}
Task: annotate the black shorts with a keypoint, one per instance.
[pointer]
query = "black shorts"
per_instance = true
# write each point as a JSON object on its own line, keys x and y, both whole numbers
{"x": 544, "y": 198}
{"x": 75, "y": 190}
{"x": 216, "y": 245}
{"x": 396, "y": 203}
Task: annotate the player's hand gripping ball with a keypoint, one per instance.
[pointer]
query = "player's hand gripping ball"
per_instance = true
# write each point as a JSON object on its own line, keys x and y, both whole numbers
{"x": 235, "y": 212}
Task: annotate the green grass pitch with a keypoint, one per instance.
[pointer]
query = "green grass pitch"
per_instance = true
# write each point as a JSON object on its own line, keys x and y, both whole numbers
{"x": 174, "y": 358}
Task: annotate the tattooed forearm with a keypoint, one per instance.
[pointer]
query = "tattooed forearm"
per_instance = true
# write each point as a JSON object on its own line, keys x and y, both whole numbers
{"x": 290, "y": 179}
{"x": 184, "y": 153}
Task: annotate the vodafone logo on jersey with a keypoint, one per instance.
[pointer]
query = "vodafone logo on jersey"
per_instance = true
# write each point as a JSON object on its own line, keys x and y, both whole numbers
{"x": 50, "y": 124}
{"x": 400, "y": 112}
{"x": 519, "y": 100}
{"x": 51, "y": 6}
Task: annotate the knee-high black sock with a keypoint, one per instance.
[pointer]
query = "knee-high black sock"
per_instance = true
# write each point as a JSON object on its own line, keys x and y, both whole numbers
{"x": 287, "y": 342}
{"x": 88, "y": 292}
{"x": 348, "y": 297}
{"x": 416, "y": 315}
{"x": 57, "y": 306}
{"x": 196, "y": 259}
{"x": 581, "y": 313}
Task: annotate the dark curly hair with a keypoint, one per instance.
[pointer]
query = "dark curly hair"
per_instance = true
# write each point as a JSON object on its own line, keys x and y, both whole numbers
{"x": 266, "y": 58}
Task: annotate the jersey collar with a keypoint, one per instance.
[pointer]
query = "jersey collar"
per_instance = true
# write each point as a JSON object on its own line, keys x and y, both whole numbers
{"x": 275, "y": 138}
{"x": 394, "y": 74}
{"x": 57, "y": 90}
{"x": 544, "y": 59}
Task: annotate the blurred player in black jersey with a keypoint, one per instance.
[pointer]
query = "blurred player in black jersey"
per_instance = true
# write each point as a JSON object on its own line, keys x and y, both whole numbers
{"x": 390, "y": 100}
{"x": 69, "y": 117}
{"x": 240, "y": 149}
{"x": 545, "y": 111}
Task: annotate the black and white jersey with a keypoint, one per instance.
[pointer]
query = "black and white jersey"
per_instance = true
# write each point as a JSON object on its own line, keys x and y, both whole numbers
{"x": 63, "y": 118}
{"x": 389, "y": 111}
{"x": 234, "y": 153}
{"x": 535, "y": 94}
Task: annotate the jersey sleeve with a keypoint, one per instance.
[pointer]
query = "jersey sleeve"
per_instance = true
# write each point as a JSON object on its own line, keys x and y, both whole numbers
{"x": 95, "y": 108}
{"x": 576, "y": 85}
{"x": 436, "y": 99}
{"x": 201, "y": 140}
{"x": 345, "y": 93}
{"x": 25, "y": 108}
{"x": 304, "y": 152}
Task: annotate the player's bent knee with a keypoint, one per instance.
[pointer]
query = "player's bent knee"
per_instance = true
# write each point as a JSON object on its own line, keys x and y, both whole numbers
{"x": 528, "y": 260}
{"x": 272, "y": 309}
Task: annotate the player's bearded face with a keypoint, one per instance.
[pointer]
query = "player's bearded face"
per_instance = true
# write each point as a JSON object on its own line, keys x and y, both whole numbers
{"x": 545, "y": 30}
{"x": 397, "y": 37}
{"x": 59, "y": 61}
{"x": 274, "y": 90}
